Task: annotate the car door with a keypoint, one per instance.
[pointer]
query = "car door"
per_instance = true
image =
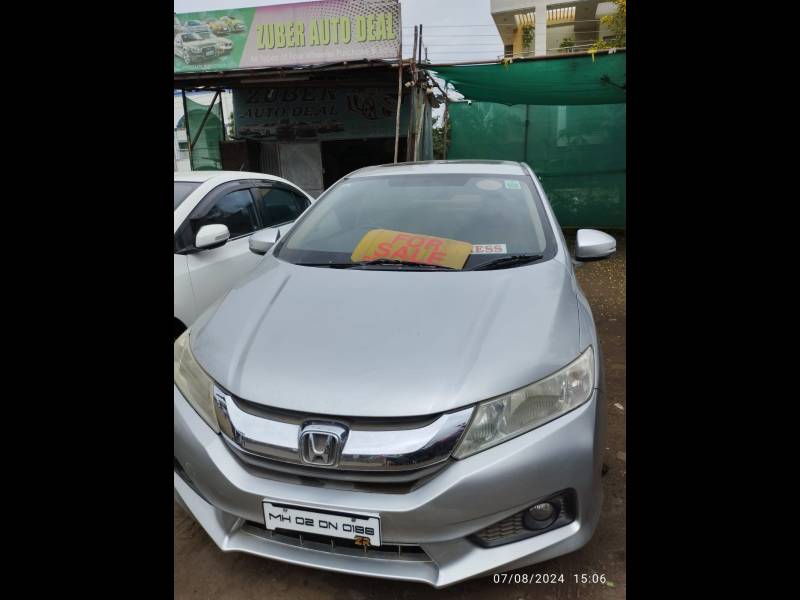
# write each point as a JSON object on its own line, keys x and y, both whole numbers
{"x": 214, "y": 272}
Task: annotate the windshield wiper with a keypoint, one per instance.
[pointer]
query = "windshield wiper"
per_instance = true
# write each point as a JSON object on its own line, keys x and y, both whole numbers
{"x": 380, "y": 261}
{"x": 506, "y": 261}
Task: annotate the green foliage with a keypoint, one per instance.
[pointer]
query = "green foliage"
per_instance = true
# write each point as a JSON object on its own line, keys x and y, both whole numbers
{"x": 567, "y": 43}
{"x": 617, "y": 23}
{"x": 441, "y": 136}
{"x": 527, "y": 37}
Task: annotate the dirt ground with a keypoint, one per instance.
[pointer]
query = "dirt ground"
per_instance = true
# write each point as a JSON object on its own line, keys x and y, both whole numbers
{"x": 201, "y": 570}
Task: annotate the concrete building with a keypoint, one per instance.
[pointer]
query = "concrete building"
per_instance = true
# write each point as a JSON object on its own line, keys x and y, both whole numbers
{"x": 569, "y": 26}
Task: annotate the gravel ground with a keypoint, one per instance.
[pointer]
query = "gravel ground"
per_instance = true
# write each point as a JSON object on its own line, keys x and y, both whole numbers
{"x": 201, "y": 570}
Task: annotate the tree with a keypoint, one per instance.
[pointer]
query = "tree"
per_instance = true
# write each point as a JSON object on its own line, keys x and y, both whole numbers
{"x": 527, "y": 39}
{"x": 441, "y": 136}
{"x": 617, "y": 23}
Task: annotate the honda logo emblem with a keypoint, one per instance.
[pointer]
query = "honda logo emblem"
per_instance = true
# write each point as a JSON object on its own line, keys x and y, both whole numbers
{"x": 321, "y": 444}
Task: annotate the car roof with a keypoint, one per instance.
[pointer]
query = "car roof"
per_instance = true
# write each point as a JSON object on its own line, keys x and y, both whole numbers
{"x": 203, "y": 176}
{"x": 491, "y": 167}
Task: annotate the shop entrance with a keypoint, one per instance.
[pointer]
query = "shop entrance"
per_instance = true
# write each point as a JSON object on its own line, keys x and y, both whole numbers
{"x": 341, "y": 157}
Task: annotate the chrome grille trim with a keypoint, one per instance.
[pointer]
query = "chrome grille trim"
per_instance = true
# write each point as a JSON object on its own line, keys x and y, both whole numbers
{"x": 365, "y": 449}
{"x": 383, "y": 481}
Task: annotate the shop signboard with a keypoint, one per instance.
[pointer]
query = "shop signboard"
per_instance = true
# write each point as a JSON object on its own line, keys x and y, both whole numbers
{"x": 309, "y": 113}
{"x": 306, "y": 33}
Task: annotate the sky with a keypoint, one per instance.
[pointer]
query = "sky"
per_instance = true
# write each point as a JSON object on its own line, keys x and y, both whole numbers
{"x": 453, "y": 30}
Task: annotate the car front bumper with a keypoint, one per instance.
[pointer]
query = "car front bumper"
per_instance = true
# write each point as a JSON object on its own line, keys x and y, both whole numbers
{"x": 226, "y": 497}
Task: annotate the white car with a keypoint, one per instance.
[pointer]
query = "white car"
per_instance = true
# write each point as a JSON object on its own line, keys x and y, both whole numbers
{"x": 223, "y": 46}
{"x": 215, "y": 212}
{"x": 192, "y": 47}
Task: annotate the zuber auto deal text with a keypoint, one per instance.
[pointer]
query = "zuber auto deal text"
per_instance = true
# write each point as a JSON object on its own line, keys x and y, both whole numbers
{"x": 294, "y": 34}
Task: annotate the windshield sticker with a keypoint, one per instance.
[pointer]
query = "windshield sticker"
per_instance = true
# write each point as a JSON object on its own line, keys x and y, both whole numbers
{"x": 513, "y": 184}
{"x": 490, "y": 185}
{"x": 385, "y": 244}
{"x": 489, "y": 249}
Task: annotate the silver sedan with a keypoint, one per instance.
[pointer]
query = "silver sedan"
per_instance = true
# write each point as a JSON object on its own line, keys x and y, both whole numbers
{"x": 408, "y": 385}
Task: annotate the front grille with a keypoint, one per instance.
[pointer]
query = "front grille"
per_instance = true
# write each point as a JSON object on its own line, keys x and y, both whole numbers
{"x": 376, "y": 482}
{"x": 393, "y": 455}
{"x": 342, "y": 546}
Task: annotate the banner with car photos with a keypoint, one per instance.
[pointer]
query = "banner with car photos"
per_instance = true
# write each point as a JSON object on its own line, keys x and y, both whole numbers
{"x": 286, "y": 34}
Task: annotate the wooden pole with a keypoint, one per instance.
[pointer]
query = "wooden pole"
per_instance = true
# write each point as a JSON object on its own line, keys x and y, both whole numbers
{"x": 399, "y": 100}
{"x": 410, "y": 141}
{"x": 444, "y": 125}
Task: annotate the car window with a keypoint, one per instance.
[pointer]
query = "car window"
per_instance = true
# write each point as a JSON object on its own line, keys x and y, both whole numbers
{"x": 182, "y": 191}
{"x": 278, "y": 205}
{"x": 235, "y": 210}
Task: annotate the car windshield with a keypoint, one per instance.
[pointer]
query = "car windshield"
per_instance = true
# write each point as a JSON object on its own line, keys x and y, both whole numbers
{"x": 204, "y": 35}
{"x": 499, "y": 215}
{"x": 191, "y": 37}
{"x": 182, "y": 191}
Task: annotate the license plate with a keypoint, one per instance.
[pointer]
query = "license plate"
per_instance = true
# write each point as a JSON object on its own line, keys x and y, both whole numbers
{"x": 347, "y": 526}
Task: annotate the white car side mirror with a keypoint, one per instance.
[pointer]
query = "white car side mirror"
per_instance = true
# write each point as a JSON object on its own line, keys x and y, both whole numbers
{"x": 212, "y": 236}
{"x": 594, "y": 245}
{"x": 262, "y": 241}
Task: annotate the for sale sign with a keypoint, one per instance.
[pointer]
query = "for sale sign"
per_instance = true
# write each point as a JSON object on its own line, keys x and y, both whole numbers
{"x": 423, "y": 249}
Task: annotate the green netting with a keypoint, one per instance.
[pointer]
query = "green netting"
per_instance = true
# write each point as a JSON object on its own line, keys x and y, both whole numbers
{"x": 205, "y": 154}
{"x": 577, "y": 151}
{"x": 556, "y": 81}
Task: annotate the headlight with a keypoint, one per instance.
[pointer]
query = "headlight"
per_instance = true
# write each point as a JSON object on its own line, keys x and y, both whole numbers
{"x": 513, "y": 414}
{"x": 192, "y": 381}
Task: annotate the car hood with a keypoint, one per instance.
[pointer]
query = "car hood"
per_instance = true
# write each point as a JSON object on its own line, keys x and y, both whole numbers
{"x": 200, "y": 43}
{"x": 386, "y": 343}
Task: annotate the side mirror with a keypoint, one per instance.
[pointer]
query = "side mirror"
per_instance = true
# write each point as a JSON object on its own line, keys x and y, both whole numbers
{"x": 594, "y": 245}
{"x": 262, "y": 241}
{"x": 212, "y": 236}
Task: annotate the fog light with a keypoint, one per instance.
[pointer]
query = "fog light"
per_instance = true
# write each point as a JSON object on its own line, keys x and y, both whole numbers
{"x": 542, "y": 512}
{"x": 542, "y": 515}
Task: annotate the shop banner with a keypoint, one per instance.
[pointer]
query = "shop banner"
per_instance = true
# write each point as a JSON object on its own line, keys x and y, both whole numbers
{"x": 286, "y": 35}
{"x": 316, "y": 113}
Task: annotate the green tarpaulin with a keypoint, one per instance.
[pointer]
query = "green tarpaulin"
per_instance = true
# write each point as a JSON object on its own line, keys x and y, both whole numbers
{"x": 568, "y": 80}
{"x": 206, "y": 155}
{"x": 578, "y": 152}
{"x": 560, "y": 117}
